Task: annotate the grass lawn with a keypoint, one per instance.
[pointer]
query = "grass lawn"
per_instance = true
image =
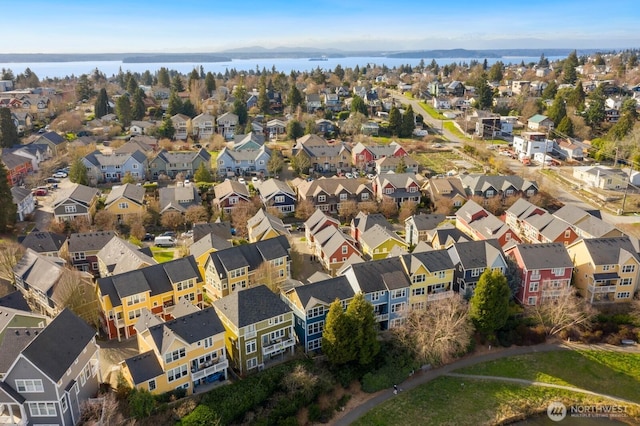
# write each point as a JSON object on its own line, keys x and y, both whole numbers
{"x": 440, "y": 162}
{"x": 382, "y": 139}
{"x": 432, "y": 111}
{"x": 456, "y": 401}
{"x": 162, "y": 254}
{"x": 450, "y": 126}
{"x": 613, "y": 373}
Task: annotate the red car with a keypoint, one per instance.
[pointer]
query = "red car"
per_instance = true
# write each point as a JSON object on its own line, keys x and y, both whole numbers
{"x": 40, "y": 192}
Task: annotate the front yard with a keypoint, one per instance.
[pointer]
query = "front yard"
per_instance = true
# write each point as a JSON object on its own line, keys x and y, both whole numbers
{"x": 161, "y": 254}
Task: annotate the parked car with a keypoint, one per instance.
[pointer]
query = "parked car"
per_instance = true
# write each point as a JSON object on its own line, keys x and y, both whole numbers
{"x": 255, "y": 179}
{"x": 242, "y": 181}
{"x": 40, "y": 192}
{"x": 52, "y": 180}
{"x": 187, "y": 234}
{"x": 164, "y": 241}
{"x": 168, "y": 234}
{"x": 348, "y": 176}
{"x": 148, "y": 237}
{"x": 60, "y": 174}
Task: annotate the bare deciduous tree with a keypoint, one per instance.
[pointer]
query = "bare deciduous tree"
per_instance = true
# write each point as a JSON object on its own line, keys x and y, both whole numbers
{"x": 304, "y": 210}
{"x": 196, "y": 214}
{"x": 10, "y": 254}
{"x": 407, "y": 209}
{"x": 565, "y": 311}
{"x": 172, "y": 220}
{"x": 267, "y": 274}
{"x": 242, "y": 212}
{"x": 348, "y": 210}
{"x": 368, "y": 207}
{"x": 75, "y": 290}
{"x": 388, "y": 207}
{"x": 438, "y": 333}
{"x": 105, "y": 220}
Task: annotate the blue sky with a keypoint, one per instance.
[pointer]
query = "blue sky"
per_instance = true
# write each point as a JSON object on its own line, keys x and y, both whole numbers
{"x": 208, "y": 26}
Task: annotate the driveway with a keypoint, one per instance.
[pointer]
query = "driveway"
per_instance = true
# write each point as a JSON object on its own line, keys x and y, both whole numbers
{"x": 112, "y": 353}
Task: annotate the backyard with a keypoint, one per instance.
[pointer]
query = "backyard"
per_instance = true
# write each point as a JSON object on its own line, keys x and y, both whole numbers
{"x": 162, "y": 255}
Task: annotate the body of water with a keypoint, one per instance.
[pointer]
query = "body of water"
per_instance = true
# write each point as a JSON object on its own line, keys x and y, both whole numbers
{"x": 286, "y": 65}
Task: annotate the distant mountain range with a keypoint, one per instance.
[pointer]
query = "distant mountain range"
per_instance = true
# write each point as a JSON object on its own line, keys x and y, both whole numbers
{"x": 257, "y": 52}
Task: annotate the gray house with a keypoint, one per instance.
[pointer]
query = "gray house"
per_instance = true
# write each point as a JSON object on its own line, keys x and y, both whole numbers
{"x": 171, "y": 163}
{"x": 75, "y": 201}
{"x": 55, "y": 369}
{"x": 112, "y": 168}
{"x": 232, "y": 162}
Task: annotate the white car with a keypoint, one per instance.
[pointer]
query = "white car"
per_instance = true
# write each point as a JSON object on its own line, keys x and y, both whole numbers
{"x": 60, "y": 174}
{"x": 370, "y": 176}
{"x": 255, "y": 179}
{"x": 242, "y": 181}
{"x": 348, "y": 175}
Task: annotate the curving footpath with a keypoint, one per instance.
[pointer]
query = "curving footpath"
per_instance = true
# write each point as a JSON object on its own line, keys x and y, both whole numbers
{"x": 421, "y": 378}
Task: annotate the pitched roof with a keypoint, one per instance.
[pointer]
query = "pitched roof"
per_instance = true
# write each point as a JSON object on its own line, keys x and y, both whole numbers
{"x": 12, "y": 342}
{"x": 129, "y": 191}
{"x": 365, "y": 221}
{"x": 38, "y": 271}
{"x": 79, "y": 193}
{"x": 190, "y": 328}
{"x": 56, "y": 348}
{"x": 89, "y": 241}
{"x": 210, "y": 241}
{"x": 544, "y": 256}
{"x": 144, "y": 367}
{"x": 426, "y": 222}
{"x": 573, "y": 214}
{"x": 52, "y": 137}
{"x": 15, "y": 300}
{"x": 262, "y": 222}
{"x": 44, "y": 242}
{"x": 480, "y": 183}
{"x": 272, "y": 187}
{"x": 477, "y": 254}
{"x": 333, "y": 186}
{"x": 178, "y": 198}
{"x": 377, "y": 235}
{"x": 221, "y": 229}
{"x": 249, "y": 255}
{"x": 324, "y": 292}
{"x": 609, "y": 251}
{"x": 538, "y": 118}
{"x": 229, "y": 187}
{"x": 433, "y": 260}
{"x": 121, "y": 256}
{"x": 250, "y": 306}
{"x": 380, "y": 275}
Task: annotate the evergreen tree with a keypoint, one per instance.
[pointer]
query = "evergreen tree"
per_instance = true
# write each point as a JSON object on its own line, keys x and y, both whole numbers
{"x": 408, "y": 123}
{"x": 489, "y": 305}
{"x": 202, "y": 174}
{"x": 558, "y": 110}
{"x": 101, "y": 107}
{"x": 577, "y": 96}
{"x": 210, "y": 83}
{"x": 495, "y": 72}
{"x": 78, "y": 172}
{"x": 193, "y": 77}
{"x": 294, "y": 98}
{"x": 294, "y": 130}
{"x": 132, "y": 85}
{"x": 123, "y": 110}
{"x": 146, "y": 78}
{"x": 339, "y": 72}
{"x": 358, "y": 105}
{"x": 570, "y": 75}
{"x": 485, "y": 65}
{"x": 550, "y": 91}
{"x": 263, "y": 99}
{"x": 484, "y": 93}
{"x": 543, "y": 62}
{"x": 84, "y": 88}
{"x": 240, "y": 109}
{"x": 138, "y": 109}
{"x": 177, "y": 84}
{"x": 164, "y": 80}
{"x": 595, "y": 114}
{"x": 7, "y": 208}
{"x": 395, "y": 121}
{"x": 6, "y": 74}
{"x": 174, "y": 106}
{"x": 338, "y": 337}
{"x": 364, "y": 329}
{"x": 401, "y": 167}
{"x": 166, "y": 129}
{"x": 189, "y": 109}
{"x": 565, "y": 126}
{"x": 8, "y": 131}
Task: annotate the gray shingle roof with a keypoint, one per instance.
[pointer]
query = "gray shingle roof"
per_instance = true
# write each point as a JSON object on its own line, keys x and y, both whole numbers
{"x": 129, "y": 191}
{"x": 250, "y": 306}
{"x": 14, "y": 340}
{"x": 178, "y": 198}
{"x": 434, "y": 260}
{"x": 38, "y": 271}
{"x": 90, "y": 241}
{"x": 608, "y": 251}
{"x": 544, "y": 256}
{"x": 121, "y": 256}
{"x": 208, "y": 242}
{"x": 426, "y": 222}
{"x": 249, "y": 255}
{"x": 325, "y": 291}
{"x": 221, "y": 229}
{"x": 477, "y": 254}
{"x": 378, "y": 235}
{"x": 15, "y": 300}
{"x": 44, "y": 242}
{"x": 56, "y": 348}
{"x": 144, "y": 367}
{"x": 79, "y": 193}
{"x": 381, "y": 275}
{"x": 191, "y": 328}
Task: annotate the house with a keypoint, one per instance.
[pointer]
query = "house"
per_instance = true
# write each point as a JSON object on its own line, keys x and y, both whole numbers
{"x": 401, "y": 187}
{"x": 46, "y": 285}
{"x": 546, "y": 228}
{"x": 275, "y": 128}
{"x": 230, "y": 270}
{"x": 76, "y": 201}
{"x": 471, "y": 259}
{"x": 119, "y": 256}
{"x": 204, "y": 245}
{"x": 25, "y": 202}
{"x": 258, "y": 328}
{"x": 250, "y": 142}
{"x": 18, "y": 167}
{"x": 54, "y": 141}
{"x": 263, "y": 226}
{"x": 365, "y": 155}
{"x": 243, "y": 162}
{"x": 370, "y": 128}
{"x": 126, "y": 201}
{"x": 570, "y": 150}
{"x": 327, "y": 193}
{"x": 172, "y": 163}
{"x": 587, "y": 224}
{"x": 530, "y": 143}
{"x": 182, "y": 353}
{"x": 378, "y": 241}
{"x": 276, "y": 193}
{"x": 313, "y": 102}
{"x": 333, "y": 248}
{"x": 112, "y": 168}
{"x": 456, "y": 88}
{"x": 228, "y": 194}
{"x": 34, "y": 152}
{"x": 226, "y": 125}
{"x": 54, "y": 370}
{"x": 602, "y": 177}
{"x": 310, "y": 304}
{"x": 443, "y": 237}
{"x": 394, "y": 164}
{"x": 417, "y": 227}
{"x": 365, "y": 221}
{"x": 181, "y": 125}
{"x": 324, "y": 126}
{"x": 431, "y": 274}
{"x": 323, "y": 156}
{"x": 489, "y": 127}
{"x": 546, "y": 271}
{"x": 445, "y": 189}
{"x": 221, "y": 229}
{"x": 504, "y": 186}
{"x": 144, "y": 144}
{"x": 540, "y": 122}
{"x": 203, "y": 125}
{"x": 606, "y": 269}
{"x": 178, "y": 198}
{"x": 156, "y": 288}
{"x": 519, "y": 212}
{"x": 316, "y": 223}
{"x": 385, "y": 285}
{"x": 441, "y": 103}
{"x": 332, "y": 102}
{"x": 140, "y": 127}
{"x": 479, "y": 224}
{"x": 45, "y": 243}
{"x": 82, "y": 249}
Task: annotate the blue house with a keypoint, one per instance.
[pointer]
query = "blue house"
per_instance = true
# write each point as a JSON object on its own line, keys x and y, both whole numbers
{"x": 276, "y": 193}
{"x": 243, "y": 162}
{"x": 310, "y": 305}
{"x": 470, "y": 260}
{"x": 385, "y": 284}
{"x": 112, "y": 168}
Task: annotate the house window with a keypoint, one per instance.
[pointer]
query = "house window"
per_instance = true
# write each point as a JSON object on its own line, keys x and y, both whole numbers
{"x": 626, "y": 281}
{"x": 261, "y": 162}
{"x": 628, "y": 268}
{"x": 315, "y": 312}
{"x": 233, "y": 200}
{"x": 208, "y": 342}
{"x": 63, "y": 404}
{"x": 279, "y": 199}
{"x": 152, "y": 385}
{"x": 251, "y": 346}
{"x": 417, "y": 291}
{"x": 136, "y": 298}
{"x": 388, "y": 190}
{"x": 476, "y": 272}
{"x": 324, "y": 208}
{"x": 123, "y": 205}
{"x": 176, "y": 373}
{"x": 558, "y": 272}
{"x": 185, "y": 285}
{"x": 42, "y": 409}
{"x": 135, "y": 166}
{"x": 175, "y": 355}
{"x": 314, "y": 344}
{"x": 490, "y": 193}
{"x": 322, "y": 198}
{"x": 567, "y": 233}
{"x": 398, "y": 307}
{"x": 315, "y": 328}
{"x": 252, "y": 363}
{"x": 343, "y": 197}
{"x": 135, "y": 314}
{"x": 345, "y": 249}
{"x": 533, "y": 287}
{"x": 395, "y": 294}
{"x": 441, "y": 274}
{"x": 623, "y": 295}
{"x": 236, "y": 273}
{"x": 375, "y": 296}
{"x": 509, "y": 192}
{"x": 418, "y": 306}
{"x": 221, "y": 162}
{"x": 69, "y": 209}
{"x": 607, "y": 267}
{"x": 29, "y": 386}
{"x": 532, "y": 300}
{"x": 365, "y": 196}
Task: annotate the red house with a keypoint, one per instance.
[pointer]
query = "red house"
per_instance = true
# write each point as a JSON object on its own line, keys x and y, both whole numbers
{"x": 547, "y": 228}
{"x": 546, "y": 271}
{"x": 17, "y": 167}
{"x": 316, "y": 223}
{"x": 364, "y": 155}
{"x": 333, "y": 248}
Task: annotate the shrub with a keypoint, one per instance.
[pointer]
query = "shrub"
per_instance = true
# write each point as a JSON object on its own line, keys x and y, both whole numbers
{"x": 203, "y": 415}
{"x": 141, "y": 403}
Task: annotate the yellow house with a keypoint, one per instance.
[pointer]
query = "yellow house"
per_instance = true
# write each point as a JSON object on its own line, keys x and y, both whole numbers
{"x": 157, "y": 288}
{"x": 377, "y": 242}
{"x": 263, "y": 226}
{"x": 125, "y": 200}
{"x": 606, "y": 269}
{"x": 259, "y": 328}
{"x": 239, "y": 267}
{"x": 202, "y": 248}
{"x": 183, "y": 353}
{"x": 431, "y": 274}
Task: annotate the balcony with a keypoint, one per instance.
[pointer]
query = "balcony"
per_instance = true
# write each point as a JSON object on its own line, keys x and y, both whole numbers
{"x": 278, "y": 346}
{"x": 221, "y": 365}
{"x": 382, "y": 317}
{"x": 597, "y": 289}
{"x": 439, "y": 295}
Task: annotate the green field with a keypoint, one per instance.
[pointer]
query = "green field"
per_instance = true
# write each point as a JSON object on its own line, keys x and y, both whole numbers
{"x": 450, "y": 126}
{"x": 162, "y": 255}
{"x": 432, "y": 111}
{"x": 440, "y": 162}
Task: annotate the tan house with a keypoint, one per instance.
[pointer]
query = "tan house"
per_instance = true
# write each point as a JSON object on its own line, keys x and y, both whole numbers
{"x": 125, "y": 201}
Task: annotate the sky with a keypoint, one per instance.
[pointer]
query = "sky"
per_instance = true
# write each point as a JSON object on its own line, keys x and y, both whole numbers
{"x": 115, "y": 26}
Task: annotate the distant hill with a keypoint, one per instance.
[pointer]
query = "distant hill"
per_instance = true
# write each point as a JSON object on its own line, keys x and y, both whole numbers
{"x": 174, "y": 57}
